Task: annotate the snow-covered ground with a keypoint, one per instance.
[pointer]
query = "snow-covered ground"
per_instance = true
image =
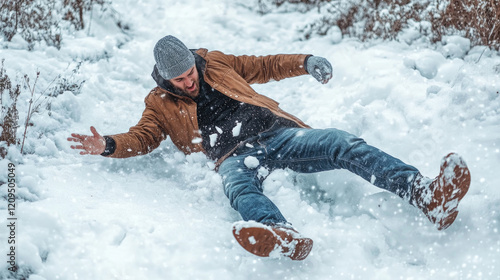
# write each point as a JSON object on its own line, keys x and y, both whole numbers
{"x": 164, "y": 215}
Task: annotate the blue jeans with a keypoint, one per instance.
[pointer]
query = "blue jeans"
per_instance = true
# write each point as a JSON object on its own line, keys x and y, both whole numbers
{"x": 306, "y": 150}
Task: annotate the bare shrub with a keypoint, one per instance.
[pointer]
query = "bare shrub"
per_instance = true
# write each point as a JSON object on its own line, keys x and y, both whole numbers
{"x": 37, "y": 20}
{"x": 368, "y": 19}
{"x": 478, "y": 20}
{"x": 265, "y": 6}
{"x": 74, "y": 10}
{"x": 9, "y": 115}
{"x": 33, "y": 20}
{"x": 39, "y": 101}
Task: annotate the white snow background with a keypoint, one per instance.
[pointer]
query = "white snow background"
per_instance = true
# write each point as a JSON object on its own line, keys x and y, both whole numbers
{"x": 164, "y": 215}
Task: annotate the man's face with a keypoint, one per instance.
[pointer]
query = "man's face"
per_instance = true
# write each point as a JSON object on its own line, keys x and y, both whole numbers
{"x": 188, "y": 83}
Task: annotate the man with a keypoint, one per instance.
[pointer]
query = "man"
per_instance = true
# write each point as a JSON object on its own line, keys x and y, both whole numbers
{"x": 204, "y": 102}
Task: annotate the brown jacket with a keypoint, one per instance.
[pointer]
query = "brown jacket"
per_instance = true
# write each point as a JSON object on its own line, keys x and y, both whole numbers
{"x": 168, "y": 114}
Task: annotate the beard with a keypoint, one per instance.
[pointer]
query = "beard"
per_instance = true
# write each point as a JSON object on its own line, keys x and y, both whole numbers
{"x": 182, "y": 92}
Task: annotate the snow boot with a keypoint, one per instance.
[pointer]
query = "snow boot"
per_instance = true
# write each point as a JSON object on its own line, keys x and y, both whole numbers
{"x": 439, "y": 198}
{"x": 272, "y": 240}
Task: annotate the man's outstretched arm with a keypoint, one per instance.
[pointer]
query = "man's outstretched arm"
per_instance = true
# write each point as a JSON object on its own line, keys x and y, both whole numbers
{"x": 262, "y": 69}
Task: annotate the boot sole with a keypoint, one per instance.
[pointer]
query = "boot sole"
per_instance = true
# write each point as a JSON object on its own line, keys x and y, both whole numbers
{"x": 455, "y": 180}
{"x": 264, "y": 242}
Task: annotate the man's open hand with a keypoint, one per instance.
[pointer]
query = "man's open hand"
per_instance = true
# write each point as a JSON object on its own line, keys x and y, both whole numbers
{"x": 90, "y": 145}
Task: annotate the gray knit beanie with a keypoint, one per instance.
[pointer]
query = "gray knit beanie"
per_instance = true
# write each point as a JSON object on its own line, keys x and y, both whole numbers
{"x": 172, "y": 57}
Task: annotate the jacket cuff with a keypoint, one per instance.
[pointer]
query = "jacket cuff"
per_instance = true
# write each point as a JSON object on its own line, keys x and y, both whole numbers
{"x": 110, "y": 146}
{"x": 305, "y": 62}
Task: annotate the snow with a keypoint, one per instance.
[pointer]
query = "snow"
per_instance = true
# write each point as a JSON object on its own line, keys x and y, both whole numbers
{"x": 251, "y": 162}
{"x": 164, "y": 215}
{"x": 237, "y": 129}
{"x": 334, "y": 34}
{"x": 213, "y": 139}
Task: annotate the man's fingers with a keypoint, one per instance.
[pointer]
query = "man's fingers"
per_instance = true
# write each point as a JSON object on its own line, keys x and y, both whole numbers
{"x": 94, "y": 132}
{"x": 74, "y": 139}
{"x": 327, "y": 78}
{"x": 77, "y": 137}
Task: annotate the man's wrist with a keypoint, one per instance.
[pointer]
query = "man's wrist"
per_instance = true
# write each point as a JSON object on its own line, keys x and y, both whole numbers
{"x": 110, "y": 146}
{"x": 305, "y": 62}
